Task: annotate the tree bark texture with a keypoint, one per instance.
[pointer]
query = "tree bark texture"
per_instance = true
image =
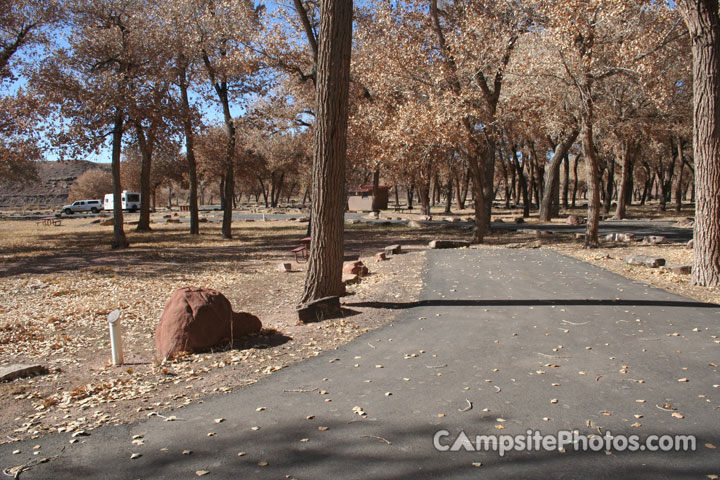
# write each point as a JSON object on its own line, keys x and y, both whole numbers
{"x": 324, "y": 271}
{"x": 119, "y": 240}
{"x": 701, "y": 17}
{"x": 593, "y": 182}
{"x": 552, "y": 175}
{"x": 189, "y": 148}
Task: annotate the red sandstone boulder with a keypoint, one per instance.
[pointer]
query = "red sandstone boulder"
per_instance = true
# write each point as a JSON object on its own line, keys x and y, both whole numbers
{"x": 575, "y": 220}
{"x": 198, "y": 318}
{"x": 355, "y": 268}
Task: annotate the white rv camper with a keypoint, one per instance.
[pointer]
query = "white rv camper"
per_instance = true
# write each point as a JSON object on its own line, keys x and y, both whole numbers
{"x": 130, "y": 201}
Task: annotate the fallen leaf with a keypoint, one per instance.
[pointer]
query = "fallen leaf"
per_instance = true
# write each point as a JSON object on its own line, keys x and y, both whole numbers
{"x": 323, "y": 429}
{"x": 187, "y": 452}
{"x": 636, "y": 425}
{"x": 219, "y": 420}
{"x": 710, "y": 445}
{"x": 477, "y": 464}
{"x": 241, "y": 454}
{"x": 200, "y": 473}
{"x": 554, "y": 400}
{"x": 683, "y": 380}
{"x": 133, "y": 456}
{"x": 263, "y": 464}
{"x": 678, "y": 415}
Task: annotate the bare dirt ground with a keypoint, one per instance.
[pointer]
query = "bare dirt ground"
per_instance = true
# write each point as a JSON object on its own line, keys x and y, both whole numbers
{"x": 59, "y": 284}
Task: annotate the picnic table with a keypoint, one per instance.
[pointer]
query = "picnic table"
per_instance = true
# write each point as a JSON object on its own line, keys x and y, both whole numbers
{"x": 302, "y": 251}
{"x": 47, "y": 221}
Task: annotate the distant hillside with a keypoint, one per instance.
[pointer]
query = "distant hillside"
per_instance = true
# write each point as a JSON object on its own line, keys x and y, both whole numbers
{"x": 52, "y": 187}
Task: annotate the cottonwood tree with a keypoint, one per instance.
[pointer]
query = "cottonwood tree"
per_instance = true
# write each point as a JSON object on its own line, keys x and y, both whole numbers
{"x": 450, "y": 56}
{"x": 178, "y": 34}
{"x": 25, "y": 26}
{"x": 89, "y": 80}
{"x": 596, "y": 40}
{"x": 703, "y": 23}
{"x": 223, "y": 33}
{"x": 538, "y": 101}
{"x": 334, "y": 44}
{"x": 153, "y": 116}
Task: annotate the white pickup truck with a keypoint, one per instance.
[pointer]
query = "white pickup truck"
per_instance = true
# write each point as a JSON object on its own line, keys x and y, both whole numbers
{"x": 93, "y": 206}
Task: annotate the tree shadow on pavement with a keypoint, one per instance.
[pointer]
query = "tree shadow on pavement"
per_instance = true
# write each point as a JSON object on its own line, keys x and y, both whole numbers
{"x": 533, "y": 303}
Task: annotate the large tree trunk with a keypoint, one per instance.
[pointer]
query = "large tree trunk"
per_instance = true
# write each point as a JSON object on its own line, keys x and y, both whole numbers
{"x": 625, "y": 189}
{"x": 575, "y": 180}
{"x": 523, "y": 187}
{"x": 475, "y": 161}
{"x": 591, "y": 168}
{"x": 376, "y": 190}
{"x": 679, "y": 182}
{"x": 189, "y": 148}
{"x": 425, "y": 194}
{"x": 448, "y": 198}
{"x": 552, "y": 174}
{"x": 119, "y": 240}
{"x": 566, "y": 181}
{"x": 324, "y": 271}
{"x": 489, "y": 185}
{"x": 701, "y": 17}
{"x": 264, "y": 190}
{"x": 609, "y": 186}
{"x": 278, "y": 190}
{"x": 229, "y": 192}
{"x": 146, "y": 151}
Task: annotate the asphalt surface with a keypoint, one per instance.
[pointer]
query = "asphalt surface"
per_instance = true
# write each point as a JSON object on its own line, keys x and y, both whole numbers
{"x": 518, "y": 339}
